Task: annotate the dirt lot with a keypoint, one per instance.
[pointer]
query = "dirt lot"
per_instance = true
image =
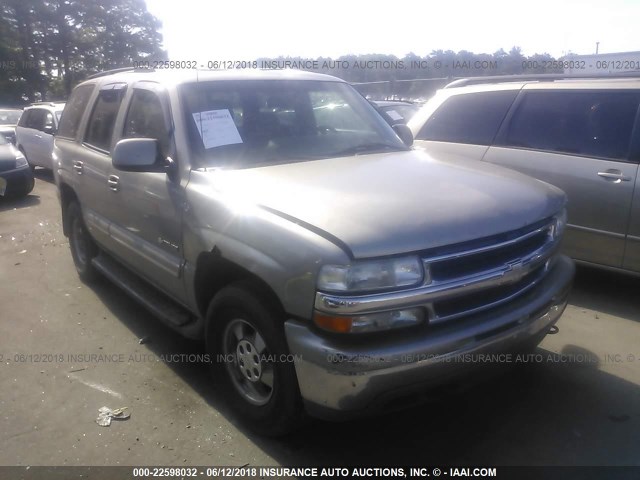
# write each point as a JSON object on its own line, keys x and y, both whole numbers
{"x": 578, "y": 404}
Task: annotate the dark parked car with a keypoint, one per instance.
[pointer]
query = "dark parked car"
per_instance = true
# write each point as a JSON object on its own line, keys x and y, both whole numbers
{"x": 16, "y": 178}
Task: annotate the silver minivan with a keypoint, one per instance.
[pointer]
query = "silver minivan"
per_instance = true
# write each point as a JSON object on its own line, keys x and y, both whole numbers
{"x": 35, "y": 131}
{"x": 581, "y": 135}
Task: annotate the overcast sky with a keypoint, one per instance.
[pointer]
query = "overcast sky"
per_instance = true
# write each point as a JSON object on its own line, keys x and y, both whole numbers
{"x": 247, "y": 29}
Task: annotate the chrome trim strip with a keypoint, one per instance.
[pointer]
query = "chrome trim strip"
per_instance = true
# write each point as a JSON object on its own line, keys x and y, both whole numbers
{"x": 152, "y": 254}
{"x": 436, "y": 319}
{"x": 488, "y": 248}
{"x": 96, "y": 222}
{"x": 595, "y": 230}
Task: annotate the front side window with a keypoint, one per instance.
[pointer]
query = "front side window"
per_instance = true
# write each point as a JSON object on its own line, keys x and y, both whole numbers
{"x": 73, "y": 111}
{"x": 103, "y": 117}
{"x": 472, "y": 118}
{"x": 145, "y": 119}
{"x": 249, "y": 123}
{"x": 592, "y": 123}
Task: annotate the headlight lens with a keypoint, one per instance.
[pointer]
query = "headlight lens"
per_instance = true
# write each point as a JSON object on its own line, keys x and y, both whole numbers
{"x": 559, "y": 225}
{"x": 20, "y": 161}
{"x": 371, "y": 322}
{"x": 371, "y": 275}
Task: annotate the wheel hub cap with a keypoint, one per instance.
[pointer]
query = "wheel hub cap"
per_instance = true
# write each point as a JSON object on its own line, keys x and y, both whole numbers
{"x": 248, "y": 361}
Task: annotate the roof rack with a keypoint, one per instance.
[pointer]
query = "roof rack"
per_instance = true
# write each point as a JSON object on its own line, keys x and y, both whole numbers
{"x": 549, "y": 77}
{"x": 118, "y": 70}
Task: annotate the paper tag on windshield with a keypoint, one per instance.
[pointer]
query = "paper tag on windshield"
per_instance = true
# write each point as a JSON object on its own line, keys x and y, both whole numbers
{"x": 394, "y": 115}
{"x": 217, "y": 128}
{"x": 3, "y": 186}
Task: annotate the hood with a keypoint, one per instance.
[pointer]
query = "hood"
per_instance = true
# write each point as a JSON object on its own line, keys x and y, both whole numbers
{"x": 8, "y": 153}
{"x": 391, "y": 203}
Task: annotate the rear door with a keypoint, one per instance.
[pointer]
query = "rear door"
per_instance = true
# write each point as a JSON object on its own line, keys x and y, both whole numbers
{"x": 93, "y": 163}
{"x": 578, "y": 140}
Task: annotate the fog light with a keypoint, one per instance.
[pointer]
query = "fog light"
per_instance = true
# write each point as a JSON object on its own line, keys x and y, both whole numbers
{"x": 372, "y": 322}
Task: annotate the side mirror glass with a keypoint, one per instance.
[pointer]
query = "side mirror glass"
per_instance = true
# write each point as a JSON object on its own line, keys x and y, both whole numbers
{"x": 404, "y": 133}
{"x": 137, "y": 155}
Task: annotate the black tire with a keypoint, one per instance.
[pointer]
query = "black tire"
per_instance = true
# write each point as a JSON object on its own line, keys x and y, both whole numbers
{"x": 263, "y": 393}
{"x": 82, "y": 246}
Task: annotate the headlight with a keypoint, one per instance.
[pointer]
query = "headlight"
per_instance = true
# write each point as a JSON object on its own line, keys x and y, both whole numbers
{"x": 370, "y": 322}
{"x": 371, "y": 275}
{"x": 558, "y": 227}
{"x": 20, "y": 161}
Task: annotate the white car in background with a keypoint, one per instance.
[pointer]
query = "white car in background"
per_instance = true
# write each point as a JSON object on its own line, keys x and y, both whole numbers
{"x": 8, "y": 120}
{"x": 35, "y": 131}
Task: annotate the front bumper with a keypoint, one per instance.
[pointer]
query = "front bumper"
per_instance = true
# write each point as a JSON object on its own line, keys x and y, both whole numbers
{"x": 20, "y": 181}
{"x": 347, "y": 376}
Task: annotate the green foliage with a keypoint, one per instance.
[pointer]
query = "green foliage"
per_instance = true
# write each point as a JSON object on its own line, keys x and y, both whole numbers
{"x": 47, "y": 46}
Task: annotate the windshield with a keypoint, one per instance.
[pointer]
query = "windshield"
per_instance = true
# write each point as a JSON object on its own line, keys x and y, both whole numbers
{"x": 10, "y": 117}
{"x": 253, "y": 123}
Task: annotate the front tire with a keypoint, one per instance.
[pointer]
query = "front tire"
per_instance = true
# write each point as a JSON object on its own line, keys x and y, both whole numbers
{"x": 245, "y": 337}
{"x": 83, "y": 248}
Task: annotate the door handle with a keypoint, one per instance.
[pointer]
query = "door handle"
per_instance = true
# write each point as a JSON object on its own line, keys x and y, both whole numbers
{"x": 38, "y": 136}
{"x": 614, "y": 175}
{"x": 78, "y": 166}
{"x": 114, "y": 182}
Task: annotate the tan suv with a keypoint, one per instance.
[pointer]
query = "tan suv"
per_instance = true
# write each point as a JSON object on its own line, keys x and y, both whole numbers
{"x": 579, "y": 134}
{"x": 328, "y": 267}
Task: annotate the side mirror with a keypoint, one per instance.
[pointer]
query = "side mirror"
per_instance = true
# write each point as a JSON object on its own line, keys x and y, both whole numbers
{"x": 49, "y": 129}
{"x": 404, "y": 133}
{"x": 138, "y": 155}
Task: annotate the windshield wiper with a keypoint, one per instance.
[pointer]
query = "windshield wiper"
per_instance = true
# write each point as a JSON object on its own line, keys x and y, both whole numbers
{"x": 368, "y": 148}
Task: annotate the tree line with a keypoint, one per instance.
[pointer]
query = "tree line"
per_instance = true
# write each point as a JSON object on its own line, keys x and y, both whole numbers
{"x": 48, "y": 46}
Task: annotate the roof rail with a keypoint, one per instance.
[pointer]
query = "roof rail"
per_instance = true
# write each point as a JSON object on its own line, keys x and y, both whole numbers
{"x": 118, "y": 70}
{"x": 51, "y": 104}
{"x": 550, "y": 77}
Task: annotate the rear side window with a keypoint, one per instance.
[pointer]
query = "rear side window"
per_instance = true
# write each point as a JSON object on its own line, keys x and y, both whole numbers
{"x": 469, "y": 118}
{"x": 103, "y": 117}
{"x": 73, "y": 111}
{"x": 595, "y": 124}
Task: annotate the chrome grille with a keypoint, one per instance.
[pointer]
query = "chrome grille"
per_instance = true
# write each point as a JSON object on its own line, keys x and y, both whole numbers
{"x": 501, "y": 267}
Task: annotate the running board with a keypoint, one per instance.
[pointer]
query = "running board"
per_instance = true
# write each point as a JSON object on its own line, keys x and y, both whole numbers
{"x": 152, "y": 299}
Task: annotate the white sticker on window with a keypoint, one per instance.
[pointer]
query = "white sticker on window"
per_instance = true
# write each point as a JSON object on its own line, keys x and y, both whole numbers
{"x": 394, "y": 115}
{"x": 217, "y": 128}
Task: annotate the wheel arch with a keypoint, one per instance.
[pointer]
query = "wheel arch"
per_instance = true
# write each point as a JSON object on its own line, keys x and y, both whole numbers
{"x": 214, "y": 272}
{"x": 67, "y": 195}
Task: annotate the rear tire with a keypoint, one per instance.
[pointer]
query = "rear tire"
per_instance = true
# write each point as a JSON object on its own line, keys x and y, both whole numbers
{"x": 83, "y": 248}
{"x": 245, "y": 338}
